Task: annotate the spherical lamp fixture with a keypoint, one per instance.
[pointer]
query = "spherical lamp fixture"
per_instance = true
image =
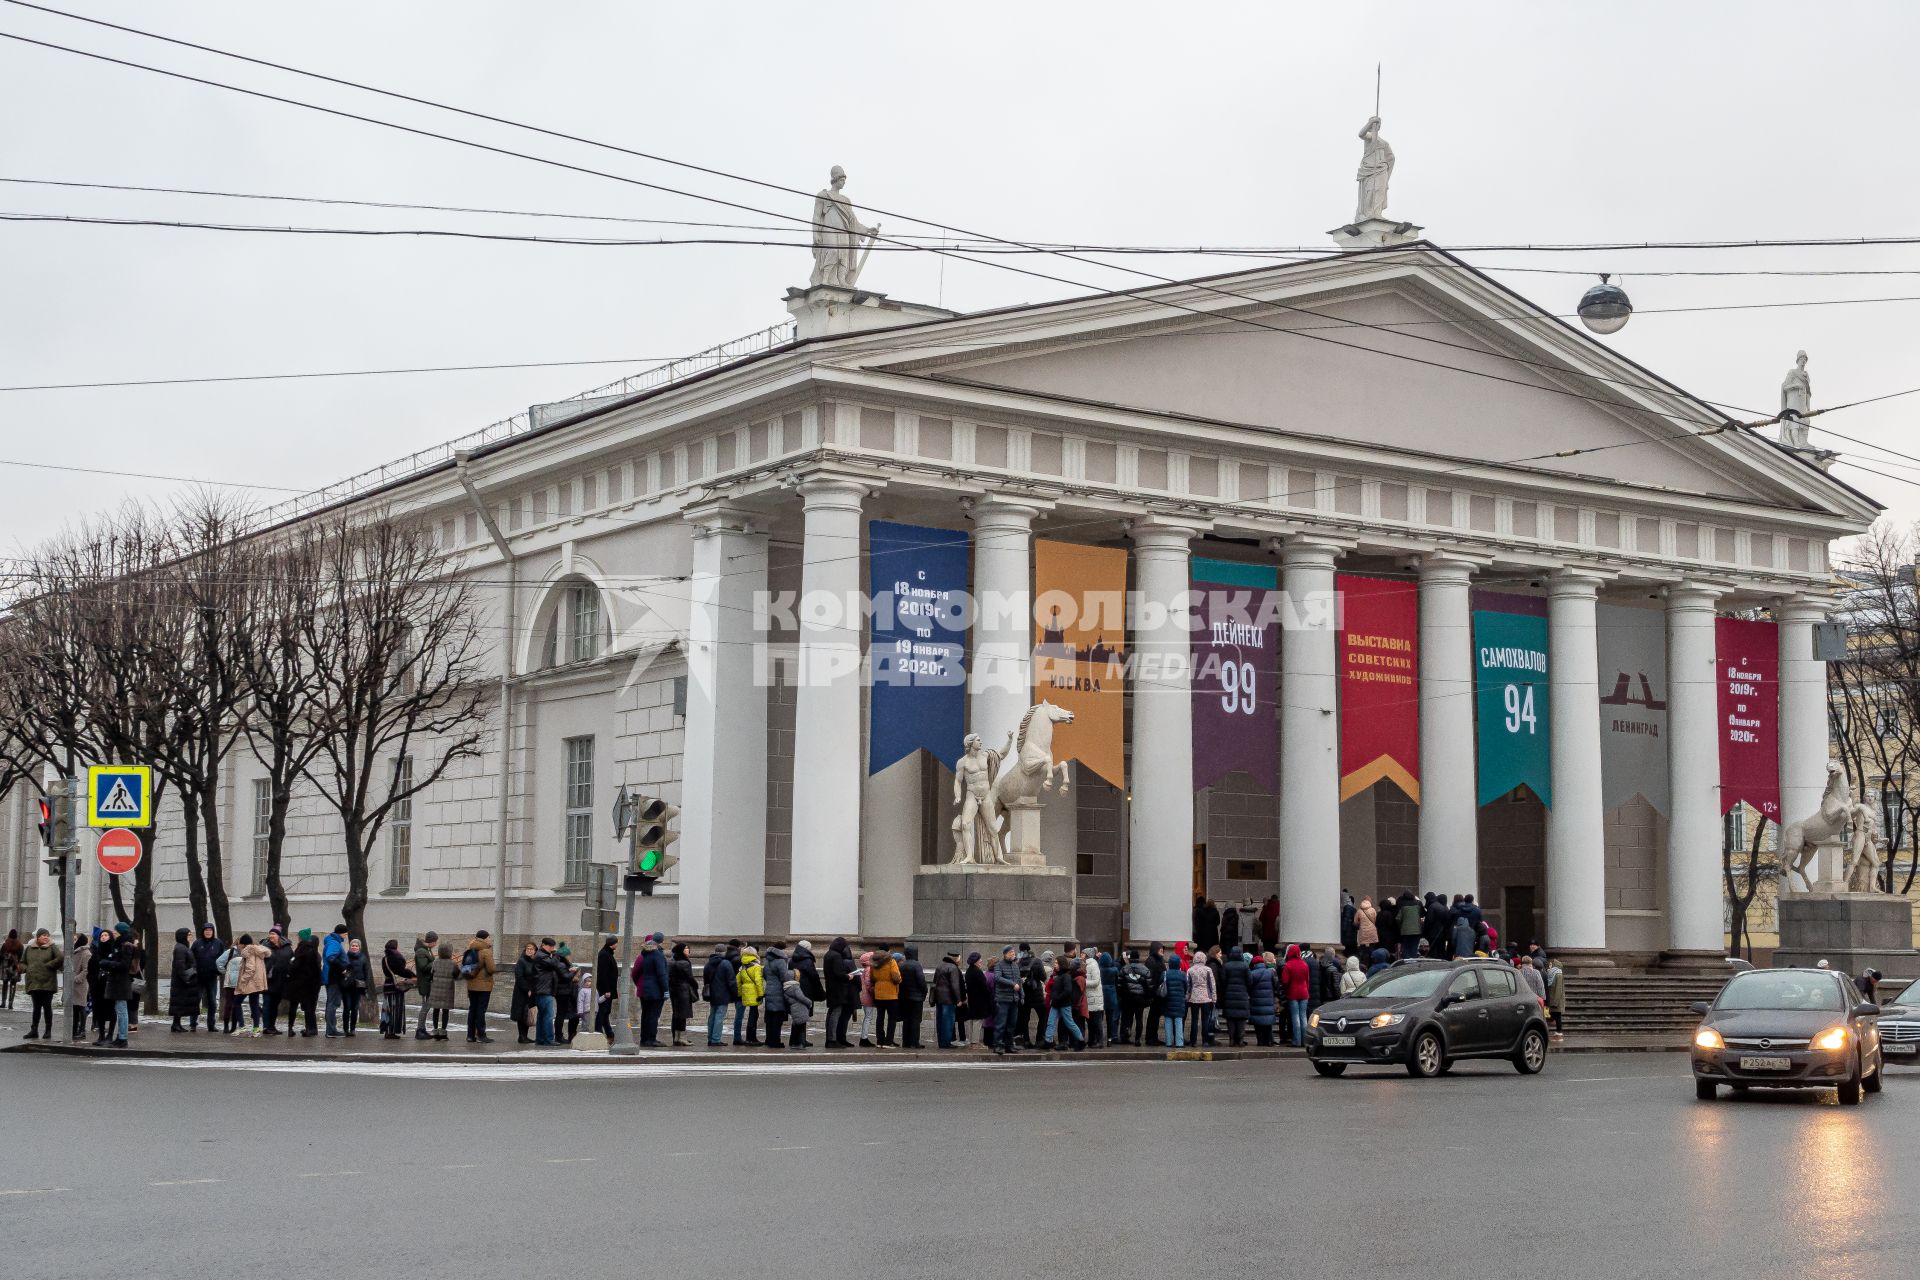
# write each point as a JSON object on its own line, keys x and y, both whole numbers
{"x": 1605, "y": 308}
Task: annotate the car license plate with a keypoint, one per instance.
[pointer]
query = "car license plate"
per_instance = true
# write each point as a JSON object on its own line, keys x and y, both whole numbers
{"x": 1338, "y": 1042}
{"x": 1750, "y": 1062}
{"x": 1908, "y": 1049}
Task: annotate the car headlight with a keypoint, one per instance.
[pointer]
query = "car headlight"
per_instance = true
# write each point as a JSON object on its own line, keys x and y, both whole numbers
{"x": 1708, "y": 1038}
{"x": 1830, "y": 1039}
{"x": 1388, "y": 1019}
{"x": 1313, "y": 1019}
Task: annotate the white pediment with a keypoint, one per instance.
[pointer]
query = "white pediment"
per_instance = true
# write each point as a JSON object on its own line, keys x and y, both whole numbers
{"x": 1411, "y": 352}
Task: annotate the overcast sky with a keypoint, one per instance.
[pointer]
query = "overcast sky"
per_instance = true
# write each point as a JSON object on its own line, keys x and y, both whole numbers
{"x": 1117, "y": 123}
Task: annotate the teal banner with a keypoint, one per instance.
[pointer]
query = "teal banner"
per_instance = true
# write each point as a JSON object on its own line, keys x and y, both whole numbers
{"x": 1510, "y": 700}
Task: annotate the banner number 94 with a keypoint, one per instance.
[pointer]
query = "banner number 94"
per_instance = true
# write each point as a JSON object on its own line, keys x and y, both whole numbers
{"x": 1519, "y": 700}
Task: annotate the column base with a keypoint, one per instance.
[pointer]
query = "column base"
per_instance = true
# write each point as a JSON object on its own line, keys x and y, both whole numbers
{"x": 1694, "y": 961}
{"x": 1582, "y": 960}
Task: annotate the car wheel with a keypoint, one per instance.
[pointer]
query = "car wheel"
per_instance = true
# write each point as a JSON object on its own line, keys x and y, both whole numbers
{"x": 1531, "y": 1056}
{"x": 1873, "y": 1082}
{"x": 1429, "y": 1057}
{"x": 1849, "y": 1090}
{"x": 1330, "y": 1068}
{"x": 1705, "y": 1090}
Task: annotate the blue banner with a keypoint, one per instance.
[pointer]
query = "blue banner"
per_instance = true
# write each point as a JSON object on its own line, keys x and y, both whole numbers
{"x": 1510, "y": 683}
{"x": 917, "y": 659}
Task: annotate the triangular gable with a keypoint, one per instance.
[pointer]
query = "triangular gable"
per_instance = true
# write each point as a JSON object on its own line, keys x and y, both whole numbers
{"x": 1514, "y": 385}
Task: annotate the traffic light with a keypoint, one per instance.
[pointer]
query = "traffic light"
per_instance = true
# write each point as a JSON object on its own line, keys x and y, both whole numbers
{"x": 46, "y": 823}
{"x": 649, "y": 858}
{"x": 56, "y": 827}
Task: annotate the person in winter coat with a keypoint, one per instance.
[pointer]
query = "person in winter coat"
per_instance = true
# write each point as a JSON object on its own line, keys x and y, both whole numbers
{"x": 252, "y": 984}
{"x": 683, "y": 988}
{"x": 1461, "y": 941}
{"x": 751, "y": 981}
{"x": 1206, "y": 922}
{"x": 1366, "y": 925}
{"x": 123, "y": 962}
{"x": 1094, "y": 993}
{"x": 1173, "y": 1005}
{"x": 885, "y": 978}
{"x": 1296, "y": 985}
{"x": 949, "y": 993}
{"x": 1263, "y": 1000}
{"x": 183, "y": 983}
{"x": 353, "y": 975}
{"x": 442, "y": 984}
{"x": 77, "y": 998}
{"x": 303, "y": 982}
{"x": 40, "y": 963}
{"x": 230, "y": 962}
{"x": 807, "y": 974}
{"x": 1270, "y": 922}
{"x": 1006, "y": 999}
{"x": 1434, "y": 924}
{"x": 1556, "y": 991}
{"x": 521, "y": 1006}
{"x": 476, "y": 969}
{"x": 864, "y": 967}
{"x": 1062, "y": 994}
{"x": 1536, "y": 983}
{"x": 911, "y": 1004}
{"x": 777, "y": 971}
{"x": 1135, "y": 984}
{"x": 606, "y": 987}
{"x": 1110, "y": 994}
{"x": 1409, "y": 922}
{"x": 799, "y": 1009}
{"x": 650, "y": 980}
{"x": 1156, "y": 968}
{"x": 1236, "y": 995}
{"x": 978, "y": 1011}
{"x": 12, "y": 958}
{"x": 1033, "y": 998}
{"x": 423, "y": 948}
{"x": 397, "y": 977}
{"x": 1202, "y": 995}
{"x": 1378, "y": 961}
{"x": 279, "y": 956}
{"x": 843, "y": 992}
{"x": 1351, "y": 978}
{"x": 717, "y": 989}
{"x": 1230, "y": 927}
{"x": 207, "y": 950}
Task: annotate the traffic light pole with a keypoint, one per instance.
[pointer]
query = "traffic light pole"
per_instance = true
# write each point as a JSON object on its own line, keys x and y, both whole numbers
{"x": 623, "y": 1044}
{"x": 68, "y": 852}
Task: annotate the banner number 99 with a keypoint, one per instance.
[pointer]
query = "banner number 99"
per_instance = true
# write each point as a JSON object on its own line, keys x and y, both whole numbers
{"x": 1519, "y": 700}
{"x": 1237, "y": 686}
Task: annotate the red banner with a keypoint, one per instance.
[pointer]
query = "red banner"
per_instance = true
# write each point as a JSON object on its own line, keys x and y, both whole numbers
{"x": 1747, "y": 671}
{"x": 1379, "y": 684}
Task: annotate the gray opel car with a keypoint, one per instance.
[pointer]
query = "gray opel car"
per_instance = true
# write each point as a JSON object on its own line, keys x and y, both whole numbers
{"x": 1788, "y": 1029}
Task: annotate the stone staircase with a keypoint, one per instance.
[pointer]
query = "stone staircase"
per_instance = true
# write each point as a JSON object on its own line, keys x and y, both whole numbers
{"x": 1653, "y": 1004}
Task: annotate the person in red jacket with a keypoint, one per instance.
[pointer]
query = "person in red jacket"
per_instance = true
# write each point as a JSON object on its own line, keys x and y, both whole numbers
{"x": 1296, "y": 985}
{"x": 1270, "y": 922}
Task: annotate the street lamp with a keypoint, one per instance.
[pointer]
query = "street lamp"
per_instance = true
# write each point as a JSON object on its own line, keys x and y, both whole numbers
{"x": 1605, "y": 308}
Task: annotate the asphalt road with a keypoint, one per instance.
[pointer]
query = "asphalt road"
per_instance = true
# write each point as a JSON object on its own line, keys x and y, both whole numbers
{"x": 1605, "y": 1166}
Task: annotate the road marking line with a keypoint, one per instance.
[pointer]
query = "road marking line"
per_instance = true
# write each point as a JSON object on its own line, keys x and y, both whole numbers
{"x": 878, "y": 1142}
{"x": 186, "y": 1182}
{"x": 459, "y": 1166}
{"x": 573, "y": 1160}
{"x": 683, "y": 1153}
{"x": 789, "y": 1148}
{"x": 337, "y": 1173}
{"x": 33, "y": 1191}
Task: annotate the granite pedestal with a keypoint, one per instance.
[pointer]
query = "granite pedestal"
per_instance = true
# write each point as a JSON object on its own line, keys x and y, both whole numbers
{"x": 983, "y": 908}
{"x": 1850, "y": 931}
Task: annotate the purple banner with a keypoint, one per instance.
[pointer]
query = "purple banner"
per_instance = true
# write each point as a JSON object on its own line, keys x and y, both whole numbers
{"x": 1236, "y": 664}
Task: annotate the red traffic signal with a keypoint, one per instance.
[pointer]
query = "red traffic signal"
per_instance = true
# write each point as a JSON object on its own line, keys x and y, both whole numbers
{"x": 46, "y": 823}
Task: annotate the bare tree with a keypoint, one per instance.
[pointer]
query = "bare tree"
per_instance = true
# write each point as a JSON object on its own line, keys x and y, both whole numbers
{"x": 1874, "y": 694}
{"x": 396, "y": 656}
{"x": 1743, "y": 883}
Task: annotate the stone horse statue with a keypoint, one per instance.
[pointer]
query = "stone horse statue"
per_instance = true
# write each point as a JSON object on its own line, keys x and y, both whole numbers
{"x": 1031, "y": 770}
{"x": 1802, "y": 841}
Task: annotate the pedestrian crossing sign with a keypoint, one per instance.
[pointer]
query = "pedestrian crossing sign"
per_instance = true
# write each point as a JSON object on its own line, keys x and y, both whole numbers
{"x": 119, "y": 795}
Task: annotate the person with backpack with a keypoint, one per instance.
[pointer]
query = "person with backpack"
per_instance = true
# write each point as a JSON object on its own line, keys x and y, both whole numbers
{"x": 1006, "y": 1000}
{"x": 751, "y": 984}
{"x": 717, "y": 989}
{"x": 1201, "y": 997}
{"x": 1136, "y": 997}
{"x": 476, "y": 970}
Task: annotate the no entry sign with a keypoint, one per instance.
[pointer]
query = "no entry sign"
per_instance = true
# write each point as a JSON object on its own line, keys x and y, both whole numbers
{"x": 119, "y": 851}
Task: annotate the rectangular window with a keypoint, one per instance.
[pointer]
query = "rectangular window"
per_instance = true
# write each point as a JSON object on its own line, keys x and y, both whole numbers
{"x": 400, "y": 829}
{"x": 586, "y": 624}
{"x": 262, "y": 817}
{"x": 579, "y": 831}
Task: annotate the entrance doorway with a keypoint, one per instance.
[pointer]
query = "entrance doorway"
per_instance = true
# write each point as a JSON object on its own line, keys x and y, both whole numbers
{"x": 1517, "y": 927}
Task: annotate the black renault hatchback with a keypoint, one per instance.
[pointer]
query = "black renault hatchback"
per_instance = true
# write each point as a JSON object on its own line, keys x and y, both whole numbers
{"x": 1429, "y": 1014}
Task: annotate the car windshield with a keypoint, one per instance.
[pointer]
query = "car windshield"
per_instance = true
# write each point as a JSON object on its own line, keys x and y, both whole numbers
{"x": 1406, "y": 984}
{"x": 1781, "y": 989}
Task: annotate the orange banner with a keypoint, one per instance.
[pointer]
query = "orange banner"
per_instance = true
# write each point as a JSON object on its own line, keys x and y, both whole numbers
{"x": 1079, "y": 652}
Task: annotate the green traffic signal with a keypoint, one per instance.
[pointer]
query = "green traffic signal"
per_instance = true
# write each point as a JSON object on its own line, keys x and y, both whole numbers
{"x": 649, "y": 862}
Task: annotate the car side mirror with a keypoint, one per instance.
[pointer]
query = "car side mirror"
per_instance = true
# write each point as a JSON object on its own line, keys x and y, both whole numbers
{"x": 1452, "y": 998}
{"x": 1866, "y": 1009}
{"x": 1701, "y": 1007}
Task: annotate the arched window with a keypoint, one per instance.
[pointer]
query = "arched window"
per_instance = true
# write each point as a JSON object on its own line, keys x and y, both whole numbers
{"x": 573, "y": 626}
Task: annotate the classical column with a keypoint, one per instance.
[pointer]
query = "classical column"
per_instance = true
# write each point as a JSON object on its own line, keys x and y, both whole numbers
{"x": 723, "y": 821}
{"x": 1693, "y": 774}
{"x": 1160, "y": 847}
{"x": 1803, "y": 711}
{"x": 1001, "y": 677}
{"x": 827, "y": 761}
{"x": 1309, "y": 747}
{"x": 1576, "y": 850}
{"x": 1449, "y": 802}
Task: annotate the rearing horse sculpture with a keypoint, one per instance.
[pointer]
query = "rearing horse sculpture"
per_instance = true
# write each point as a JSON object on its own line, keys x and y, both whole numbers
{"x": 1801, "y": 842}
{"x": 1031, "y": 768}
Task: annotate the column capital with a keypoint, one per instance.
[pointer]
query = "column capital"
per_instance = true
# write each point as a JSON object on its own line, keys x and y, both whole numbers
{"x": 1801, "y": 609}
{"x": 1692, "y": 597}
{"x": 1445, "y": 567}
{"x": 1005, "y": 510}
{"x": 1304, "y": 550}
{"x": 708, "y": 518}
{"x": 1574, "y": 584}
{"x": 835, "y": 491}
{"x": 1164, "y": 533}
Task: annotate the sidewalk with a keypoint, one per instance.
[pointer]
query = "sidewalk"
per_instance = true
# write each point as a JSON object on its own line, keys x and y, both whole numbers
{"x": 155, "y": 1040}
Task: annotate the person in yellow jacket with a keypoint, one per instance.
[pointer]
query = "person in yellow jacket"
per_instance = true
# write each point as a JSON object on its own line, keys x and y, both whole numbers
{"x": 886, "y": 996}
{"x": 752, "y": 985}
